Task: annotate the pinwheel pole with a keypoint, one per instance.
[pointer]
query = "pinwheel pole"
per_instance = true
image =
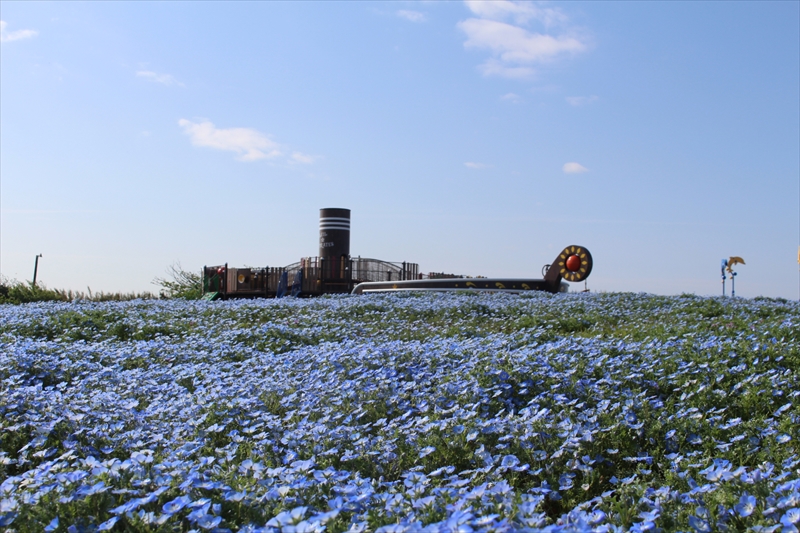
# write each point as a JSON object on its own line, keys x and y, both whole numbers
{"x": 724, "y": 264}
{"x": 733, "y": 260}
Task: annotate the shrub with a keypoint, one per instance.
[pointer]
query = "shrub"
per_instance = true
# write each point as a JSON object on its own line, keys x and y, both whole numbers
{"x": 18, "y": 292}
{"x": 181, "y": 284}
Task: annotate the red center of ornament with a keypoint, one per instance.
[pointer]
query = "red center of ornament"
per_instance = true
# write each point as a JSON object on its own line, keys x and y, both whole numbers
{"x": 573, "y": 263}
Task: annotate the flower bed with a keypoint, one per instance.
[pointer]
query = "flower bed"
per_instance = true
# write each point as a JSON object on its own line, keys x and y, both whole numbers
{"x": 401, "y": 412}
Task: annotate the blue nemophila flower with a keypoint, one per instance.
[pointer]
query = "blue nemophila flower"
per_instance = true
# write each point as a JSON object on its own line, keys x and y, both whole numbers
{"x": 325, "y": 517}
{"x": 766, "y": 529}
{"x": 597, "y": 517}
{"x": 699, "y": 525}
{"x": 694, "y": 439}
{"x": 426, "y": 451}
{"x": 640, "y": 527}
{"x": 52, "y": 526}
{"x": 291, "y": 517}
{"x": 6, "y": 519}
{"x": 209, "y": 521}
{"x": 421, "y": 503}
{"x": 126, "y": 507}
{"x": 791, "y": 516}
{"x": 198, "y": 512}
{"x": 108, "y": 524}
{"x": 88, "y": 490}
{"x": 509, "y": 461}
{"x": 176, "y": 505}
{"x": 566, "y": 481}
{"x": 790, "y": 500}
{"x": 233, "y": 496}
{"x": 650, "y": 516}
{"x": 746, "y": 505}
{"x": 782, "y": 409}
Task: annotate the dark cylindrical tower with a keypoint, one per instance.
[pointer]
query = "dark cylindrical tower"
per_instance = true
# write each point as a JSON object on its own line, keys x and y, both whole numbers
{"x": 334, "y": 233}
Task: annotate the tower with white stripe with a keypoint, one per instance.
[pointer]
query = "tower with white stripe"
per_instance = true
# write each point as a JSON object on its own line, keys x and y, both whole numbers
{"x": 334, "y": 234}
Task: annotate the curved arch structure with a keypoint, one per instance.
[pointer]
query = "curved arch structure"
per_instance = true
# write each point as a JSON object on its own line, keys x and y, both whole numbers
{"x": 574, "y": 264}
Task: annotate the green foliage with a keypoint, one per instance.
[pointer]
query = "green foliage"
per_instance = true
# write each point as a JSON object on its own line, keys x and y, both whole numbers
{"x": 180, "y": 284}
{"x": 20, "y": 292}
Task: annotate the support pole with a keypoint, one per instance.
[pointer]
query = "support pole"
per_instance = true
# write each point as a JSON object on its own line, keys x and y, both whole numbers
{"x": 723, "y": 264}
{"x": 36, "y": 268}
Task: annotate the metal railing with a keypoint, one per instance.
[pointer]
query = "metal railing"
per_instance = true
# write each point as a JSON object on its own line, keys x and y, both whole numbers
{"x": 320, "y": 275}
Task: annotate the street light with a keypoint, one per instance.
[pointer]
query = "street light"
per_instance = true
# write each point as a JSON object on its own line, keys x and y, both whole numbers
{"x": 36, "y": 268}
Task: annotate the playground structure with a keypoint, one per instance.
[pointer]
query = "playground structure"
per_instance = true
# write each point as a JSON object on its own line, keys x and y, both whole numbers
{"x": 335, "y": 271}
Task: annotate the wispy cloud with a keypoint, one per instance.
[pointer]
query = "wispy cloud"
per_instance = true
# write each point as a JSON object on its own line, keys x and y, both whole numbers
{"x": 250, "y": 144}
{"x": 519, "y": 12}
{"x": 577, "y": 101}
{"x": 574, "y": 168}
{"x": 511, "y": 97}
{"x": 470, "y": 164}
{"x": 499, "y": 28}
{"x": 299, "y": 157}
{"x": 492, "y": 67}
{"x": 413, "y": 16}
{"x": 8, "y": 36}
{"x": 166, "y": 79}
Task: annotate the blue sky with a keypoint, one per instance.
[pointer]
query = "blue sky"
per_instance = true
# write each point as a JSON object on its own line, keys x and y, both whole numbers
{"x": 476, "y": 138}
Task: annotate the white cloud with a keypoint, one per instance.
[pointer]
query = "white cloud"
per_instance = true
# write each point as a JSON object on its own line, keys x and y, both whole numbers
{"x": 514, "y": 49}
{"x": 8, "y": 36}
{"x": 574, "y": 168}
{"x": 413, "y": 16}
{"x": 470, "y": 164}
{"x": 511, "y": 97}
{"x": 520, "y": 12}
{"x": 577, "y": 101}
{"x": 166, "y": 79}
{"x": 250, "y": 144}
{"x": 493, "y": 67}
{"x": 513, "y": 44}
{"x": 300, "y": 157}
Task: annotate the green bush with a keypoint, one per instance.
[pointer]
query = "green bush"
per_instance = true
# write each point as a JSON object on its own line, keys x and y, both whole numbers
{"x": 178, "y": 284}
{"x": 20, "y": 292}
{"x": 182, "y": 284}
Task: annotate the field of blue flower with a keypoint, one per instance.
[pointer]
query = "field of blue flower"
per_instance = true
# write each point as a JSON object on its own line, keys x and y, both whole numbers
{"x": 405, "y": 412}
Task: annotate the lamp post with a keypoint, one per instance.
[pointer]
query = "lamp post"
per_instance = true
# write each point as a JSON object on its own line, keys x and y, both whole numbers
{"x": 36, "y": 268}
